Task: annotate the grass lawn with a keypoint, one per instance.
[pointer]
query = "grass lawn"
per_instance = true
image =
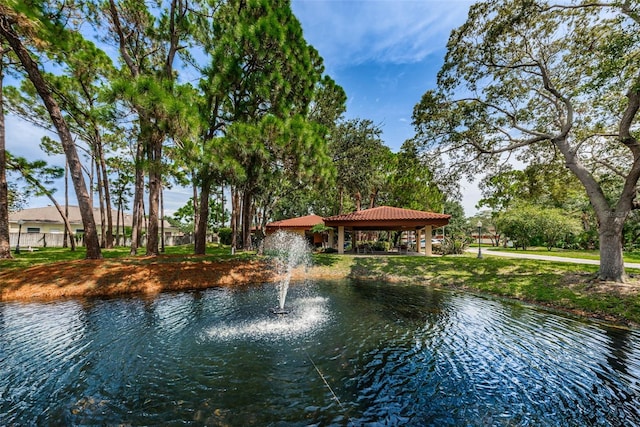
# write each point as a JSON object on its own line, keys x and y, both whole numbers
{"x": 567, "y": 253}
{"x": 50, "y": 255}
{"x": 562, "y": 286}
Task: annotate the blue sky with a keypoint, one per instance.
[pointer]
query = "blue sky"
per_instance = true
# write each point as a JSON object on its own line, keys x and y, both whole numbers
{"x": 384, "y": 53}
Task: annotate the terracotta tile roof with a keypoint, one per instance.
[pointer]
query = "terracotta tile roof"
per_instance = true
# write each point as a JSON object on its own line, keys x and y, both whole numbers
{"x": 301, "y": 222}
{"x": 388, "y": 213}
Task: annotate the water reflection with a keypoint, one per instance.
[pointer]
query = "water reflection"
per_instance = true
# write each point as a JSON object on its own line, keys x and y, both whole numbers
{"x": 349, "y": 353}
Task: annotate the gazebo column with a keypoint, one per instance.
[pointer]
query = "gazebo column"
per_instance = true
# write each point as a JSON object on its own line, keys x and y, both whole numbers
{"x": 341, "y": 239}
{"x": 332, "y": 238}
{"x": 427, "y": 241}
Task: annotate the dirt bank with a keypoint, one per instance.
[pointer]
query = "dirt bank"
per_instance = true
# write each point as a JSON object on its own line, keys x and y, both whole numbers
{"x": 101, "y": 278}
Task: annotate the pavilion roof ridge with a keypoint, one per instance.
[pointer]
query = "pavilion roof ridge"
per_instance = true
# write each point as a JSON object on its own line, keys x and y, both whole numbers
{"x": 385, "y": 213}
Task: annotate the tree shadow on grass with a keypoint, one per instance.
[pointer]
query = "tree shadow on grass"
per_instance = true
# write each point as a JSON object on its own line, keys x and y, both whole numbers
{"x": 449, "y": 270}
{"x": 327, "y": 260}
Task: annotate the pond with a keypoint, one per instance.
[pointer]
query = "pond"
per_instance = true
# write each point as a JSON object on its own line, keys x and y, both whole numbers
{"x": 347, "y": 353}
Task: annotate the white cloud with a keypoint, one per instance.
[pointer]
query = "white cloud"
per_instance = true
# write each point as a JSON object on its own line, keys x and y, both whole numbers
{"x": 385, "y": 31}
{"x": 23, "y": 140}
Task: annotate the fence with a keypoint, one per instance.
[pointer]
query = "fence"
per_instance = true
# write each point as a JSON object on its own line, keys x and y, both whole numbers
{"x": 55, "y": 240}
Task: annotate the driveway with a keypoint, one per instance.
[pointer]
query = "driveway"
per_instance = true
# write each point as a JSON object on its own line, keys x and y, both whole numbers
{"x": 546, "y": 257}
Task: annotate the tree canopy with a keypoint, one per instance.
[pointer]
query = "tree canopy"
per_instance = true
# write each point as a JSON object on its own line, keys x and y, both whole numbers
{"x": 212, "y": 95}
{"x": 532, "y": 81}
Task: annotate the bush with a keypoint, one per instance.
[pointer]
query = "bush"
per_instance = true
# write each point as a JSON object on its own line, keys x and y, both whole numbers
{"x": 455, "y": 245}
{"x": 380, "y": 246}
{"x": 225, "y": 235}
{"x": 530, "y": 225}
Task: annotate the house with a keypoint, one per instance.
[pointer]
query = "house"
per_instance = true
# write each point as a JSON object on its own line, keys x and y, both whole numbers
{"x": 300, "y": 225}
{"x": 44, "y": 226}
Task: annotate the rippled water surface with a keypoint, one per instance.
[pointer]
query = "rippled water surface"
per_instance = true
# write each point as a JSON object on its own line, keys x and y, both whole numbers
{"x": 347, "y": 354}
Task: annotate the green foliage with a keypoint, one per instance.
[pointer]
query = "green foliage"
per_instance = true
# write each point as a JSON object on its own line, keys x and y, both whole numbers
{"x": 525, "y": 223}
{"x": 38, "y": 175}
{"x": 557, "y": 228}
{"x": 328, "y": 103}
{"x": 455, "y": 244}
{"x": 276, "y": 152}
{"x": 225, "y": 235}
{"x": 549, "y": 184}
{"x": 359, "y": 158}
{"x": 183, "y": 217}
{"x": 17, "y": 198}
{"x": 458, "y": 222}
{"x": 320, "y": 228}
{"x": 411, "y": 183}
{"x": 261, "y": 60}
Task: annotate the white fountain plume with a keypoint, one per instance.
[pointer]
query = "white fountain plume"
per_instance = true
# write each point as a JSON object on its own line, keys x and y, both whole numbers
{"x": 288, "y": 251}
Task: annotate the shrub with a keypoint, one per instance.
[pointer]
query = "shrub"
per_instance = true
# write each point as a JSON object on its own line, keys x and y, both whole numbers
{"x": 225, "y": 235}
{"x": 380, "y": 246}
{"x": 455, "y": 245}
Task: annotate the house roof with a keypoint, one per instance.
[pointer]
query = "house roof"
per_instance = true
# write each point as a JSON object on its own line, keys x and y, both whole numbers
{"x": 387, "y": 218}
{"x": 307, "y": 221}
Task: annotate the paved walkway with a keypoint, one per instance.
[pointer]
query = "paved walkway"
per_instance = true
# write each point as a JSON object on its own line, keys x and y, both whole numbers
{"x": 546, "y": 257}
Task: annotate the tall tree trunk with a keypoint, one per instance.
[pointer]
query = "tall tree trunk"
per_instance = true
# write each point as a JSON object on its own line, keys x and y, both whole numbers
{"x": 235, "y": 214}
{"x": 372, "y": 198}
{"x": 75, "y": 166}
{"x": 137, "y": 200}
{"x": 246, "y": 220}
{"x": 91, "y": 178}
{"x": 161, "y": 219}
{"x": 196, "y": 211}
{"x": 103, "y": 228}
{"x": 5, "y": 244}
{"x": 118, "y": 208}
{"x": 611, "y": 258}
{"x": 154, "y": 156}
{"x": 610, "y": 221}
{"x": 124, "y": 230}
{"x": 142, "y": 221}
{"x": 102, "y": 171}
{"x": 67, "y": 234}
{"x": 222, "y": 204}
{"x": 200, "y": 244}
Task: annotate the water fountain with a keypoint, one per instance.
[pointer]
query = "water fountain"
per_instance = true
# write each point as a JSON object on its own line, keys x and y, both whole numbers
{"x": 287, "y": 251}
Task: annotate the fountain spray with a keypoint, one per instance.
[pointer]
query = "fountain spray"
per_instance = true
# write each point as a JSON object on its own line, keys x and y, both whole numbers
{"x": 287, "y": 251}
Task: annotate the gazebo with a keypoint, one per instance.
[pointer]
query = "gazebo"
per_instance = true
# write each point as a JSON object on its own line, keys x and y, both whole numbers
{"x": 390, "y": 219}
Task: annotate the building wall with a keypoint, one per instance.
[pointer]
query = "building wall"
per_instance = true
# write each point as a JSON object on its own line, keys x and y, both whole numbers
{"x": 55, "y": 240}
{"x": 34, "y": 227}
